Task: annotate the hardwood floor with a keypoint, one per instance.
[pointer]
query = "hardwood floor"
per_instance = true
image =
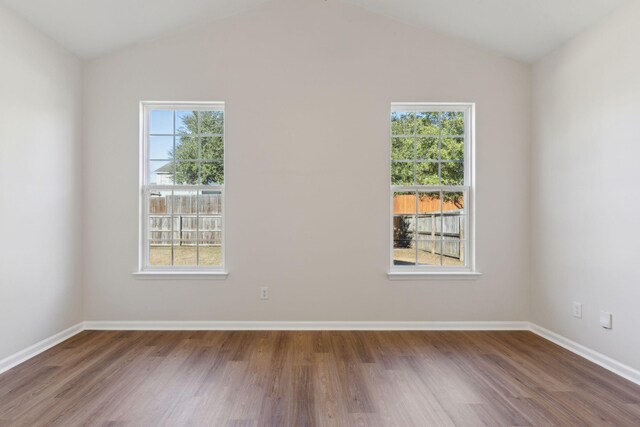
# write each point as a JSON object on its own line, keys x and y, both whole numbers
{"x": 275, "y": 378}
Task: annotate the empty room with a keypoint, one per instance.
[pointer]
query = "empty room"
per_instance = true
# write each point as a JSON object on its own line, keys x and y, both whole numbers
{"x": 319, "y": 213}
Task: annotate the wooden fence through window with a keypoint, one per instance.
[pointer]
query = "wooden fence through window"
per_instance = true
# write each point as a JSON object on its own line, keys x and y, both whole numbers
{"x": 433, "y": 228}
{"x": 188, "y": 218}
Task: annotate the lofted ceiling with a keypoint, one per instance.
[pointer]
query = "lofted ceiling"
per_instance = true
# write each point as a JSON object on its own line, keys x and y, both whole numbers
{"x": 521, "y": 29}
{"x": 90, "y": 28}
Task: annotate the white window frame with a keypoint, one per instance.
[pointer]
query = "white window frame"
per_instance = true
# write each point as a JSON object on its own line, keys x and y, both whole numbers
{"x": 427, "y": 271}
{"x": 144, "y": 269}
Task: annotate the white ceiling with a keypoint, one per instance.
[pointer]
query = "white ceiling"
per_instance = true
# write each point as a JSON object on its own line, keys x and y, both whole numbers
{"x": 520, "y": 29}
{"x": 90, "y": 28}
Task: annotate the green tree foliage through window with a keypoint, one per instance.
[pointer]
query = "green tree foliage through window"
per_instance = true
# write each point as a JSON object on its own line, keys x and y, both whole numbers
{"x": 199, "y": 150}
{"x": 427, "y": 148}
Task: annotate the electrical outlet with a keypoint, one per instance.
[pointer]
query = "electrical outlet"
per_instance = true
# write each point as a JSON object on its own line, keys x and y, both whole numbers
{"x": 606, "y": 320}
{"x": 264, "y": 292}
{"x": 577, "y": 310}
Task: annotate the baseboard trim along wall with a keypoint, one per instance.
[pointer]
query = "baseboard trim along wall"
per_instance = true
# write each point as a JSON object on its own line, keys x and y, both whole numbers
{"x": 305, "y": 326}
{"x": 606, "y": 362}
{"x": 37, "y": 348}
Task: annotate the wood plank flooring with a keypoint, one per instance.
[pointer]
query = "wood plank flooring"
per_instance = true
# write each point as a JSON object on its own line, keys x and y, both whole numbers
{"x": 323, "y": 378}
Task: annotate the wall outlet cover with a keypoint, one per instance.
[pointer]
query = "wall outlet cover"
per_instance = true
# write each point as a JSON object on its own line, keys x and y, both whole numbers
{"x": 576, "y": 310}
{"x": 606, "y": 319}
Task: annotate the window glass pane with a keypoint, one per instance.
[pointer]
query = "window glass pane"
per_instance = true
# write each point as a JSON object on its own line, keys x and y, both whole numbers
{"x": 429, "y": 215}
{"x": 402, "y": 149}
{"x": 184, "y": 253}
{"x": 210, "y": 255}
{"x": 186, "y": 122}
{"x": 427, "y": 123}
{"x": 161, "y": 172}
{"x": 211, "y": 122}
{"x": 453, "y": 220}
{"x": 210, "y": 226}
{"x": 160, "y": 202}
{"x": 452, "y": 149}
{"x": 212, "y": 148}
{"x": 429, "y": 202}
{"x": 404, "y": 203}
{"x": 453, "y": 252}
{"x": 159, "y": 231}
{"x": 427, "y": 173}
{"x": 185, "y": 227}
{"x": 404, "y": 227}
{"x": 427, "y": 148}
{"x": 212, "y": 173}
{"x": 404, "y": 252}
{"x": 402, "y": 173}
{"x": 161, "y": 122}
{"x": 452, "y": 173}
{"x": 187, "y": 173}
{"x": 186, "y": 147}
{"x": 404, "y": 221}
{"x": 184, "y": 203}
{"x": 210, "y": 203}
{"x": 429, "y": 226}
{"x": 453, "y": 202}
{"x": 453, "y": 123}
{"x": 160, "y": 147}
{"x": 159, "y": 254}
{"x": 402, "y": 123}
{"x": 453, "y": 226}
{"x": 429, "y": 252}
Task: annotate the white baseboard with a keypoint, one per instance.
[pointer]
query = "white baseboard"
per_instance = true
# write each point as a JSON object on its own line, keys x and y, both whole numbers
{"x": 31, "y": 351}
{"x": 606, "y": 362}
{"x": 304, "y": 326}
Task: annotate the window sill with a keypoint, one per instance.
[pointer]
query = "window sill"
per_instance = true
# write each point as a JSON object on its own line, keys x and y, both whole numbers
{"x": 216, "y": 275}
{"x": 433, "y": 275}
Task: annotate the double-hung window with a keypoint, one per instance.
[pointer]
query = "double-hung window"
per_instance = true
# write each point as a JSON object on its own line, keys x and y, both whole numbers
{"x": 182, "y": 188}
{"x": 431, "y": 188}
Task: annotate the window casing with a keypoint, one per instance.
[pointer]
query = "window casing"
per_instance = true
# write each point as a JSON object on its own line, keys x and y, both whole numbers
{"x": 432, "y": 188}
{"x": 182, "y": 187}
